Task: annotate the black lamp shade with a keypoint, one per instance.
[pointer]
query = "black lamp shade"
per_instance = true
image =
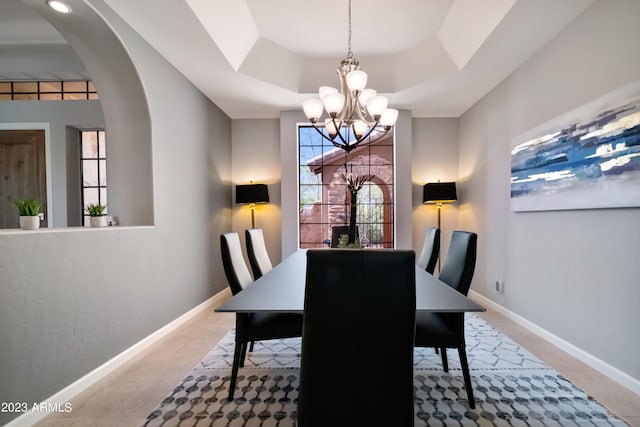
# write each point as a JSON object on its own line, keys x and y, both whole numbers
{"x": 252, "y": 193}
{"x": 439, "y": 192}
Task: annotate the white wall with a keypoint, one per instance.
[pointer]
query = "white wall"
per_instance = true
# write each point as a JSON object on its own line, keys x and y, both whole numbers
{"x": 574, "y": 273}
{"x": 71, "y": 299}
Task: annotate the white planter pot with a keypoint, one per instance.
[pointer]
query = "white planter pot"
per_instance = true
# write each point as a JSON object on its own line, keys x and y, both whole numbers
{"x": 98, "y": 221}
{"x": 29, "y": 222}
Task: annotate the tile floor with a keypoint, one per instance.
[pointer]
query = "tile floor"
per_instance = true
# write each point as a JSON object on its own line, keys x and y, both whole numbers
{"x": 125, "y": 397}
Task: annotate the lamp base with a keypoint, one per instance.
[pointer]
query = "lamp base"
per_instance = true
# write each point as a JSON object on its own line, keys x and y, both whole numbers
{"x": 253, "y": 220}
{"x": 439, "y": 258}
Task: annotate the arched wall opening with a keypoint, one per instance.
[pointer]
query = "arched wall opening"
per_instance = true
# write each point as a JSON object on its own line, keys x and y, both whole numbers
{"x": 124, "y": 104}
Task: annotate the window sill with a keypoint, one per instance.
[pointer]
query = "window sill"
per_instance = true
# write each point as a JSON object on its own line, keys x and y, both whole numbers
{"x": 14, "y": 231}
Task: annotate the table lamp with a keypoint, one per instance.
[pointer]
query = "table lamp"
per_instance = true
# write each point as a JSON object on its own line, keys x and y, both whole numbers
{"x": 252, "y": 194}
{"x": 439, "y": 193}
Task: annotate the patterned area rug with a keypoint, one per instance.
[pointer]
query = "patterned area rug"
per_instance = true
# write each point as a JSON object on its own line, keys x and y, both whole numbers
{"x": 511, "y": 386}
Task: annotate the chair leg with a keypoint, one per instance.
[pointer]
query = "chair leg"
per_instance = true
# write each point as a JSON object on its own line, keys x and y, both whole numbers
{"x": 243, "y": 354}
{"x": 251, "y": 346}
{"x": 237, "y": 353}
{"x": 445, "y": 362}
{"x": 467, "y": 377}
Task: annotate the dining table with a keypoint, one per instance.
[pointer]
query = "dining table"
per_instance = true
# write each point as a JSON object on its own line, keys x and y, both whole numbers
{"x": 282, "y": 290}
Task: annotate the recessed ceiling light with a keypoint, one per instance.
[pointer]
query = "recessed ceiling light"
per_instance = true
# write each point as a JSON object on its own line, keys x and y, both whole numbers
{"x": 59, "y": 6}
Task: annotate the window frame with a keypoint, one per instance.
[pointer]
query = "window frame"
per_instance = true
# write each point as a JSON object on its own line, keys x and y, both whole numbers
{"x": 41, "y": 93}
{"x": 99, "y": 187}
{"x": 388, "y": 224}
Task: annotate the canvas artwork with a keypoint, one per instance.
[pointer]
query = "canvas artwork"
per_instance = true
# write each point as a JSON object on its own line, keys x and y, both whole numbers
{"x": 587, "y": 158}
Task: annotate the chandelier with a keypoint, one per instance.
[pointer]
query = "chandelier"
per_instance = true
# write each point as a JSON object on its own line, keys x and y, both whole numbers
{"x": 355, "y": 113}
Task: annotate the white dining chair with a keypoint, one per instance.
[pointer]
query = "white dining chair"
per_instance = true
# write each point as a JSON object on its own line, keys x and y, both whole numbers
{"x": 257, "y": 252}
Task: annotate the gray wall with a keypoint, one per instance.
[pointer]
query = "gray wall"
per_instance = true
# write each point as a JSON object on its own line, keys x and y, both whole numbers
{"x": 256, "y": 157}
{"x": 20, "y": 61}
{"x": 59, "y": 115}
{"x": 574, "y": 273}
{"x": 72, "y": 299}
{"x": 434, "y": 157}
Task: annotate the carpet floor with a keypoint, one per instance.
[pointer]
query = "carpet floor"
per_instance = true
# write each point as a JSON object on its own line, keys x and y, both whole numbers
{"x": 511, "y": 388}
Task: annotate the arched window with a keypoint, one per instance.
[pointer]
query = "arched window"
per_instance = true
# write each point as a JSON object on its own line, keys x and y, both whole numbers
{"x": 373, "y": 218}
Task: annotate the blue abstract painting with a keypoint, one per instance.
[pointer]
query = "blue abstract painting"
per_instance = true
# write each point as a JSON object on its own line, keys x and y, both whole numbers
{"x": 588, "y": 158}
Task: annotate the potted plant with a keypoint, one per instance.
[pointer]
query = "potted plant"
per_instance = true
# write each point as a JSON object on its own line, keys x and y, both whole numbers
{"x": 97, "y": 216}
{"x": 343, "y": 242}
{"x": 29, "y": 210}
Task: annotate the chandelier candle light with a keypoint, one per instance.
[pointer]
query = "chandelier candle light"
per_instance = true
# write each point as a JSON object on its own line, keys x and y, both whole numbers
{"x": 354, "y": 111}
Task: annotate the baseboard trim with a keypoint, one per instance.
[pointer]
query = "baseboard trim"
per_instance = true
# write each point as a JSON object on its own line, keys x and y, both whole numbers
{"x": 59, "y": 399}
{"x": 599, "y": 365}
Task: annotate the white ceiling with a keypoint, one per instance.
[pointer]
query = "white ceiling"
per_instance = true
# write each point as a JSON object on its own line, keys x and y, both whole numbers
{"x": 19, "y": 25}
{"x": 255, "y": 58}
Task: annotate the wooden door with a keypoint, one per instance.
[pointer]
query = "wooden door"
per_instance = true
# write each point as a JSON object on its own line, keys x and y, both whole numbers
{"x": 22, "y": 173}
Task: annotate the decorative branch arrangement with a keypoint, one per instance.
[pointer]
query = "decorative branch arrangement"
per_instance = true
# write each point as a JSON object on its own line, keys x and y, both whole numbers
{"x": 355, "y": 183}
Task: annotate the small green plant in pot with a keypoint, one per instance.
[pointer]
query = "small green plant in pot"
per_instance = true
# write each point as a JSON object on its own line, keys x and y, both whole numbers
{"x": 343, "y": 242}
{"x": 96, "y": 213}
{"x": 29, "y": 210}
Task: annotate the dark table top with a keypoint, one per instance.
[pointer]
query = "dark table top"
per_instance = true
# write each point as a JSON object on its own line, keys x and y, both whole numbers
{"x": 282, "y": 290}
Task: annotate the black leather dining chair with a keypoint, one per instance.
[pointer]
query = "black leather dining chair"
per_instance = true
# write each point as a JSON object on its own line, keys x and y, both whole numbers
{"x": 357, "y": 342}
{"x": 258, "y": 256}
{"x": 446, "y": 330}
{"x": 430, "y": 249}
{"x": 251, "y": 326}
{"x": 257, "y": 252}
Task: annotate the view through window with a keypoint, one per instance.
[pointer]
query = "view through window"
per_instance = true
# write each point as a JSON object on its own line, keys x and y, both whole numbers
{"x": 324, "y": 199}
{"x": 47, "y": 90}
{"x": 94, "y": 169}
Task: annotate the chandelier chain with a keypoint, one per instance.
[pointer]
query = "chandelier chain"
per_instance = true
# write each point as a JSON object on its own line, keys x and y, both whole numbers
{"x": 354, "y": 113}
{"x": 349, "y": 53}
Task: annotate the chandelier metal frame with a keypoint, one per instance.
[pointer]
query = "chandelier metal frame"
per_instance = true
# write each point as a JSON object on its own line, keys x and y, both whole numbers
{"x": 354, "y": 111}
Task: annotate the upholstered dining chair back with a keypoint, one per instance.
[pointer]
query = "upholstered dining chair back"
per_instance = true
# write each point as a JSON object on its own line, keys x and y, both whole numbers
{"x": 457, "y": 270}
{"x": 357, "y": 338}
{"x": 446, "y": 330}
{"x": 235, "y": 268}
{"x": 430, "y": 250}
{"x": 257, "y": 252}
